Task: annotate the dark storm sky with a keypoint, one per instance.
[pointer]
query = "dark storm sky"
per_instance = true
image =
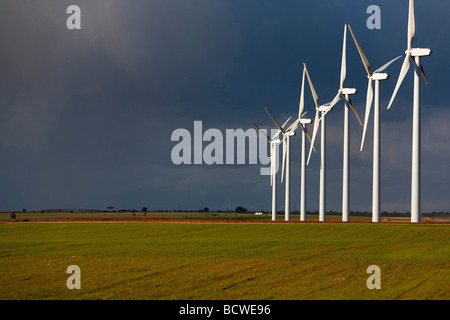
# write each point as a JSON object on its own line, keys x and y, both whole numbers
{"x": 87, "y": 115}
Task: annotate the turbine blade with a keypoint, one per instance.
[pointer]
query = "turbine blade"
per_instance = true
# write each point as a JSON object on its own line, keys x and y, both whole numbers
{"x": 331, "y": 104}
{"x": 403, "y": 72}
{"x": 284, "y": 124}
{"x": 271, "y": 176}
{"x": 302, "y": 96}
{"x": 367, "y": 115}
{"x": 354, "y": 111}
{"x": 344, "y": 59}
{"x": 423, "y": 74}
{"x": 261, "y": 131}
{"x": 278, "y": 125}
{"x": 386, "y": 65}
{"x": 361, "y": 53}
{"x": 284, "y": 159}
{"x": 421, "y": 70}
{"x": 316, "y": 127}
{"x": 293, "y": 126}
{"x": 309, "y": 137}
{"x": 271, "y": 163}
{"x": 311, "y": 86}
{"x": 278, "y": 131}
{"x": 411, "y": 24}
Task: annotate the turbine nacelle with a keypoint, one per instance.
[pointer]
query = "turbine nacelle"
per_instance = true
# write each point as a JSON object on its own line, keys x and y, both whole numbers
{"x": 305, "y": 121}
{"x": 419, "y": 52}
{"x": 325, "y": 108}
{"x": 349, "y": 91}
{"x": 379, "y": 76}
{"x": 290, "y": 133}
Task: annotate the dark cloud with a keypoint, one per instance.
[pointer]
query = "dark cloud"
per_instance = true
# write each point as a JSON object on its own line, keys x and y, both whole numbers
{"x": 87, "y": 115}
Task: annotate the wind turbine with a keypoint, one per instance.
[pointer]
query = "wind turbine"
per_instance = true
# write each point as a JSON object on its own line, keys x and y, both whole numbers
{"x": 345, "y": 93}
{"x": 415, "y": 54}
{"x": 376, "y": 76}
{"x": 302, "y": 122}
{"x": 274, "y": 142}
{"x": 287, "y": 134}
{"x": 319, "y": 121}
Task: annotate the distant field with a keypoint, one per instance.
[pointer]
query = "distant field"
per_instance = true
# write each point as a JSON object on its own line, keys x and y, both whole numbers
{"x": 151, "y": 216}
{"x": 148, "y": 260}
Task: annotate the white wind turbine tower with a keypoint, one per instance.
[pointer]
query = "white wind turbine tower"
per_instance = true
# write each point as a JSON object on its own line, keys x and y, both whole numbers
{"x": 319, "y": 121}
{"x": 415, "y": 54}
{"x": 274, "y": 142}
{"x": 345, "y": 92}
{"x": 287, "y": 134}
{"x": 376, "y": 76}
{"x": 302, "y": 122}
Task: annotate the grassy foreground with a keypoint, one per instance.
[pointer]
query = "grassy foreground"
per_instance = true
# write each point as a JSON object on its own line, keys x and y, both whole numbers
{"x": 223, "y": 261}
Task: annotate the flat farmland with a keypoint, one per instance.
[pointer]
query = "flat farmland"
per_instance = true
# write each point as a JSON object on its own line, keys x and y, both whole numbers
{"x": 66, "y": 216}
{"x": 148, "y": 260}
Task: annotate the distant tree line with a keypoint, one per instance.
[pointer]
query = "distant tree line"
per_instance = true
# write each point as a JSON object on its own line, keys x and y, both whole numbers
{"x": 238, "y": 209}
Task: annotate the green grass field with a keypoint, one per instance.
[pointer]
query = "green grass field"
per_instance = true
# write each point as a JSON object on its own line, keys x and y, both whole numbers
{"x": 224, "y": 260}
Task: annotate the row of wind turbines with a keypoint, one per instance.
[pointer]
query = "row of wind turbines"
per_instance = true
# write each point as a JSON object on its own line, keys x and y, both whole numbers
{"x": 376, "y": 76}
